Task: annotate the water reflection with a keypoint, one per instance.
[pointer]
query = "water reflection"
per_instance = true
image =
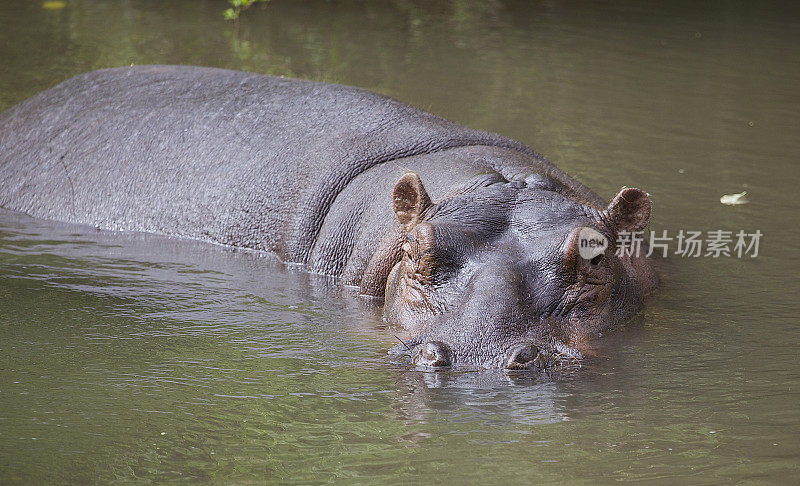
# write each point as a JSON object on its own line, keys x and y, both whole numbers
{"x": 485, "y": 399}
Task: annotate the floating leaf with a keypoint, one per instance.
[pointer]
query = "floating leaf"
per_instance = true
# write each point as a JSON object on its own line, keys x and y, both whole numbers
{"x": 733, "y": 199}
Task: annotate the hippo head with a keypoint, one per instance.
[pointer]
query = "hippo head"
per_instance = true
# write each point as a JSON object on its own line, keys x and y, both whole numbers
{"x": 493, "y": 274}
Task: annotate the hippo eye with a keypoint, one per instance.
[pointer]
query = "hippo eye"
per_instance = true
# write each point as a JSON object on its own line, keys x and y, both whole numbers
{"x": 408, "y": 245}
{"x": 596, "y": 260}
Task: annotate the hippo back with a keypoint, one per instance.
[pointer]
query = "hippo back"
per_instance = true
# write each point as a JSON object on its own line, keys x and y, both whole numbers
{"x": 235, "y": 158}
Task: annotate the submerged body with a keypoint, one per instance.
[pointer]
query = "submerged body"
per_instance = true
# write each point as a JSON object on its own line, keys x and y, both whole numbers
{"x": 471, "y": 238}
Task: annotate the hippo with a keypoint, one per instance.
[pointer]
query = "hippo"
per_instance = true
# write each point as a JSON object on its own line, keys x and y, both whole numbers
{"x": 468, "y": 239}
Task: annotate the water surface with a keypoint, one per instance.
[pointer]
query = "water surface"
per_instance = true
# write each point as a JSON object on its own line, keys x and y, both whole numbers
{"x": 129, "y": 357}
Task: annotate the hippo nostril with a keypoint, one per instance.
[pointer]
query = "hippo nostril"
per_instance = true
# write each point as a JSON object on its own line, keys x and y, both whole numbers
{"x": 522, "y": 357}
{"x": 433, "y": 353}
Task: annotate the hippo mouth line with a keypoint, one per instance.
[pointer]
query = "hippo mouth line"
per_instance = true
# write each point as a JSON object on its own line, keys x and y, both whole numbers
{"x": 537, "y": 356}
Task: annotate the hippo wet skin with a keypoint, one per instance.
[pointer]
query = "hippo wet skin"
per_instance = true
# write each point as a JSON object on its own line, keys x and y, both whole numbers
{"x": 470, "y": 237}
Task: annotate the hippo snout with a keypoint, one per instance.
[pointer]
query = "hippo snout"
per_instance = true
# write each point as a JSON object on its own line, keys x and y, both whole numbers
{"x": 434, "y": 354}
{"x": 521, "y": 357}
{"x": 542, "y": 357}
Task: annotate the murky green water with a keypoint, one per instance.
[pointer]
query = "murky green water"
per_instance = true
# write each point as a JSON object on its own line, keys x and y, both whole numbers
{"x": 129, "y": 357}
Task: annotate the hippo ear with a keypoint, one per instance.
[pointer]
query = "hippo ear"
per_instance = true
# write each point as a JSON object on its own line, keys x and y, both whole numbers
{"x": 629, "y": 210}
{"x": 410, "y": 199}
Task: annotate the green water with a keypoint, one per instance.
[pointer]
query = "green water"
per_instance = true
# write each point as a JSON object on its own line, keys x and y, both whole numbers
{"x": 129, "y": 357}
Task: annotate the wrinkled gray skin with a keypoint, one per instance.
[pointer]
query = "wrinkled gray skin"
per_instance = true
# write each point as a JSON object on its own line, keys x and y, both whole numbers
{"x": 469, "y": 236}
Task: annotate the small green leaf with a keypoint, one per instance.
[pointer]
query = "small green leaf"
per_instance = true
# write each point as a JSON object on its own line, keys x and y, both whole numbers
{"x": 54, "y": 5}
